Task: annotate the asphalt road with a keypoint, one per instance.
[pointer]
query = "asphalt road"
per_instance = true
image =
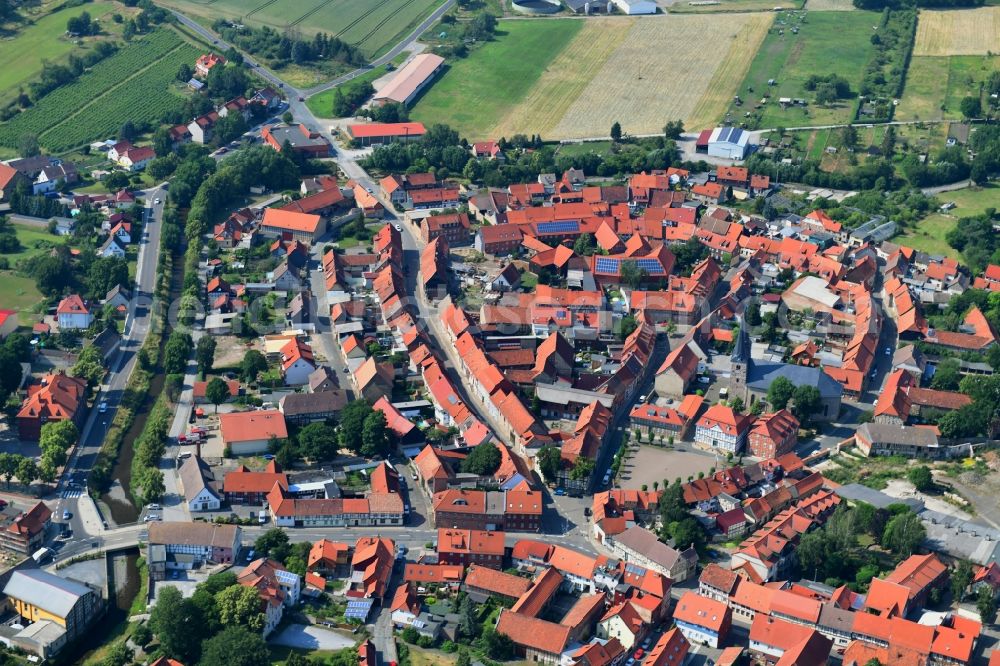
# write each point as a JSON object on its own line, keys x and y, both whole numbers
{"x": 137, "y": 324}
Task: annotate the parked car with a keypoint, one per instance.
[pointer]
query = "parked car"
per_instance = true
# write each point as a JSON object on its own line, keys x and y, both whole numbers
{"x": 67, "y": 515}
{"x": 103, "y": 407}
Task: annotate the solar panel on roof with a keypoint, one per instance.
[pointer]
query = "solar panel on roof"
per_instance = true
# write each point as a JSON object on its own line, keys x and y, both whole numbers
{"x": 558, "y": 227}
{"x": 650, "y": 265}
{"x": 735, "y": 135}
{"x": 605, "y": 265}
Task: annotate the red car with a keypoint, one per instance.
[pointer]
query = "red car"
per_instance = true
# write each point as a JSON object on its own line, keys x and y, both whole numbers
{"x": 638, "y": 654}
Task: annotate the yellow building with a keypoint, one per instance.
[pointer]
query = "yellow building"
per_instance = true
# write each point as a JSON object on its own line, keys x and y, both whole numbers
{"x": 59, "y": 610}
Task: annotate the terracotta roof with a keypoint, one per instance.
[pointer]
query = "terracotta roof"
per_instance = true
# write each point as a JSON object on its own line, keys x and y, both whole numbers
{"x": 543, "y": 588}
{"x": 721, "y": 579}
{"x": 433, "y": 573}
{"x": 324, "y": 549}
{"x": 386, "y": 129}
{"x": 530, "y": 632}
{"x": 670, "y": 650}
{"x": 290, "y": 220}
{"x": 886, "y": 597}
{"x": 395, "y": 421}
{"x": 918, "y": 572}
{"x": 253, "y": 425}
{"x": 58, "y": 398}
{"x": 496, "y": 582}
{"x": 701, "y": 611}
{"x": 470, "y": 541}
{"x": 72, "y": 304}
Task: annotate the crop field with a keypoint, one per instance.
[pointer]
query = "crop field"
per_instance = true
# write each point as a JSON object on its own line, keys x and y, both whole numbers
{"x": 958, "y": 32}
{"x": 24, "y": 53}
{"x": 935, "y": 85}
{"x": 717, "y": 6}
{"x": 825, "y": 43}
{"x": 134, "y": 84}
{"x": 476, "y": 93}
{"x": 565, "y": 78}
{"x": 570, "y": 79}
{"x": 830, "y": 5}
{"x": 371, "y": 25}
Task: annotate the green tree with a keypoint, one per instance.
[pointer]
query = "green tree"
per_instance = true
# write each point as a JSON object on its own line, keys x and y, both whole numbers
{"x": 482, "y": 460}
{"x": 217, "y": 391}
{"x": 616, "y": 132}
{"x": 235, "y": 646}
{"x": 318, "y": 441}
{"x": 375, "y": 435}
{"x": 903, "y": 534}
{"x": 806, "y": 402}
{"x": 352, "y": 424}
{"x": 779, "y": 393}
{"x": 811, "y": 553}
{"x": 582, "y": 468}
{"x": 239, "y": 606}
{"x": 947, "y": 375}
{"x": 148, "y": 484}
{"x": 986, "y": 604}
{"x": 118, "y": 654}
{"x": 205, "y": 353}
{"x": 8, "y": 466}
{"x": 687, "y": 533}
{"x": 548, "y": 459}
{"x": 175, "y": 625}
{"x": 631, "y": 274}
{"x": 89, "y": 366}
{"x": 176, "y": 352}
{"x": 752, "y": 314}
{"x": 627, "y": 326}
{"x": 498, "y": 646}
{"x": 971, "y": 107}
{"x": 737, "y": 404}
{"x": 27, "y": 471}
{"x": 585, "y": 245}
{"x": 252, "y": 365}
{"x": 273, "y": 543}
{"x": 463, "y": 658}
{"x": 920, "y": 477}
{"x": 961, "y": 578}
{"x": 468, "y": 622}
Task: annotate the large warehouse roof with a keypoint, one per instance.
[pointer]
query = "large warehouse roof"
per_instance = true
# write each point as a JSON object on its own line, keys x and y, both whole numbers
{"x": 410, "y": 78}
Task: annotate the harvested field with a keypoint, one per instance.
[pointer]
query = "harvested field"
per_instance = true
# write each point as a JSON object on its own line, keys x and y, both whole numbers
{"x": 566, "y": 77}
{"x": 830, "y": 5}
{"x": 958, "y": 32}
{"x": 643, "y": 92}
{"x": 728, "y": 75}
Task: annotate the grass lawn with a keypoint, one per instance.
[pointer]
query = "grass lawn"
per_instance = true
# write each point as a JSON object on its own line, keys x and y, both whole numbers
{"x": 19, "y": 293}
{"x": 576, "y": 149}
{"x": 34, "y": 240}
{"x": 476, "y": 92}
{"x": 929, "y": 235}
{"x": 826, "y": 43}
{"x": 43, "y": 41}
{"x": 734, "y": 6}
{"x": 322, "y": 103}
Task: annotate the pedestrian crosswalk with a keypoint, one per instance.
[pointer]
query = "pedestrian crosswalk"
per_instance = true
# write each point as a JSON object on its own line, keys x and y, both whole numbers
{"x": 71, "y": 493}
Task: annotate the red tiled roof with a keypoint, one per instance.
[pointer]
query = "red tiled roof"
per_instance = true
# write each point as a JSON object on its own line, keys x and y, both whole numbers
{"x": 530, "y": 632}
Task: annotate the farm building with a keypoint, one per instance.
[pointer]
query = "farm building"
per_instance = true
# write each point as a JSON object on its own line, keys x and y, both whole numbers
{"x": 410, "y": 80}
{"x": 633, "y": 7}
{"x": 729, "y": 142}
{"x": 371, "y": 134}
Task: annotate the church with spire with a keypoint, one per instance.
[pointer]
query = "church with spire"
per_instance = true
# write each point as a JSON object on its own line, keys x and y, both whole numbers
{"x": 749, "y": 379}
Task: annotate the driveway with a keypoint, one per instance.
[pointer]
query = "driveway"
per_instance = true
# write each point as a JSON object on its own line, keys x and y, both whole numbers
{"x": 305, "y": 637}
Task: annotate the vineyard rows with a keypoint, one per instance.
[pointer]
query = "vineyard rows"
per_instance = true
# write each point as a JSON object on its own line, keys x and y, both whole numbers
{"x": 88, "y": 92}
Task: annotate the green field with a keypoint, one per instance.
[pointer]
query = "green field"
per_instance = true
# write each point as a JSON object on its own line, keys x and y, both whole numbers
{"x": 936, "y": 85}
{"x": 373, "y": 26}
{"x": 19, "y": 293}
{"x": 929, "y": 236}
{"x": 476, "y": 92}
{"x": 321, "y": 103}
{"x": 43, "y": 41}
{"x": 134, "y": 84}
{"x": 34, "y": 240}
{"x": 826, "y": 43}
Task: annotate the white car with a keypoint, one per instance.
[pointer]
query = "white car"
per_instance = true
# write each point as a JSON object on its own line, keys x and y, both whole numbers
{"x": 157, "y": 201}
{"x": 397, "y": 227}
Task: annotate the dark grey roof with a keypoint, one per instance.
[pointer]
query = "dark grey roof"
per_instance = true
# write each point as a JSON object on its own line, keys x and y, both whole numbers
{"x": 47, "y": 591}
{"x": 859, "y": 493}
{"x": 741, "y": 350}
{"x": 195, "y": 477}
{"x": 761, "y": 375}
{"x": 305, "y": 404}
{"x": 896, "y": 434}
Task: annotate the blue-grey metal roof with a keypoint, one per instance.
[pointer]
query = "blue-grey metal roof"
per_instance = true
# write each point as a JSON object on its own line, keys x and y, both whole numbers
{"x": 763, "y": 373}
{"x": 46, "y": 591}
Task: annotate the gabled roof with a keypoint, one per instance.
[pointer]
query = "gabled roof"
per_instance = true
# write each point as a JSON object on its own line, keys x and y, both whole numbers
{"x": 530, "y": 632}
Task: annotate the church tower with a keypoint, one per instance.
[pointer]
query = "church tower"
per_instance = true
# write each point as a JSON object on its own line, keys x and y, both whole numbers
{"x": 740, "y": 362}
